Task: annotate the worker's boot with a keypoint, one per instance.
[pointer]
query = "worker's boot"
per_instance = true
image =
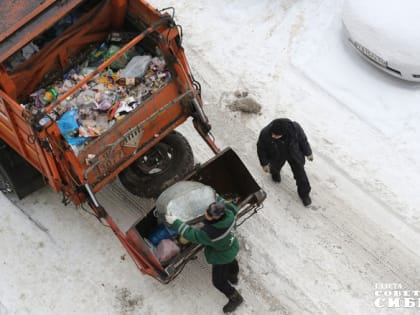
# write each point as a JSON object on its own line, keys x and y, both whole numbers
{"x": 276, "y": 177}
{"x": 306, "y": 200}
{"x": 234, "y": 301}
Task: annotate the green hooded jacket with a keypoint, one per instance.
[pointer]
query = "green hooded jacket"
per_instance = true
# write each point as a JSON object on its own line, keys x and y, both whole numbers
{"x": 219, "y": 237}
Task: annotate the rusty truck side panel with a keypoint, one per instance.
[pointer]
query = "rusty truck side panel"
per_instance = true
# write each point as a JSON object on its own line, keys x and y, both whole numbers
{"x": 18, "y": 134}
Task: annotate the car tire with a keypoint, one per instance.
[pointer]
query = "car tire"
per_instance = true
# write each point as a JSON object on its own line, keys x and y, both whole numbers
{"x": 163, "y": 165}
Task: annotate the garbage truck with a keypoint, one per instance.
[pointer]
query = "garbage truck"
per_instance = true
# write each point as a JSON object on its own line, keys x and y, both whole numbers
{"x": 91, "y": 95}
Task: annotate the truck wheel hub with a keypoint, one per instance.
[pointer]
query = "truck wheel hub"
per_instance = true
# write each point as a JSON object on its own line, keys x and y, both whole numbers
{"x": 156, "y": 160}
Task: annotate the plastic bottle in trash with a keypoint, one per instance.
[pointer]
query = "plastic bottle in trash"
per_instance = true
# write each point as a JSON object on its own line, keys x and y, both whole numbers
{"x": 129, "y": 81}
{"x": 50, "y": 95}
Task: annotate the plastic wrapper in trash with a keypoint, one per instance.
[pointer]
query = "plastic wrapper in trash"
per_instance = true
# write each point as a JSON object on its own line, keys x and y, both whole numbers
{"x": 161, "y": 232}
{"x": 29, "y": 50}
{"x": 166, "y": 250}
{"x": 69, "y": 127}
{"x": 126, "y": 106}
{"x": 158, "y": 64}
{"x": 122, "y": 61}
{"x": 136, "y": 67}
{"x": 37, "y": 96}
{"x": 108, "y": 98}
{"x": 85, "y": 97}
{"x": 186, "y": 200}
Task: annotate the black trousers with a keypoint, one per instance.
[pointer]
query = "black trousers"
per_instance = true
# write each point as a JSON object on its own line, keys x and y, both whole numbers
{"x": 302, "y": 182}
{"x": 221, "y": 275}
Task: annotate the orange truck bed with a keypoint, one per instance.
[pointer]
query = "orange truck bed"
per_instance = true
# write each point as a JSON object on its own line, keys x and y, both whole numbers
{"x": 105, "y": 156}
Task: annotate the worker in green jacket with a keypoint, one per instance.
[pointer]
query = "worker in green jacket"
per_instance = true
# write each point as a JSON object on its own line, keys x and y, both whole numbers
{"x": 218, "y": 235}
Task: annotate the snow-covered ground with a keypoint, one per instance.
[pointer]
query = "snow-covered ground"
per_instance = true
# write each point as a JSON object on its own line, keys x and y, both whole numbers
{"x": 361, "y": 231}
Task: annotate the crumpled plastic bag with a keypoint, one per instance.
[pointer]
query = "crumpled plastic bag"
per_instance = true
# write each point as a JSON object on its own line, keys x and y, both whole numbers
{"x": 166, "y": 250}
{"x": 122, "y": 61}
{"x": 137, "y": 67}
{"x": 161, "y": 232}
{"x": 186, "y": 200}
{"x": 69, "y": 126}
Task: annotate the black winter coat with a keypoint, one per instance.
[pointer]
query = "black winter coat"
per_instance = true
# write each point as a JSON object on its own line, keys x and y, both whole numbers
{"x": 298, "y": 145}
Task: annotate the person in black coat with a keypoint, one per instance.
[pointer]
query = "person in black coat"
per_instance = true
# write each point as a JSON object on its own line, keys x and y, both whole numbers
{"x": 284, "y": 140}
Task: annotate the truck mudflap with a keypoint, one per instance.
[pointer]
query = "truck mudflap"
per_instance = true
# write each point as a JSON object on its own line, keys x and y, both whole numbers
{"x": 228, "y": 175}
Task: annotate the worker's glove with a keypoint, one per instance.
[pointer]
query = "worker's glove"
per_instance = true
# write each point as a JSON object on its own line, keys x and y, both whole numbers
{"x": 310, "y": 157}
{"x": 266, "y": 168}
{"x": 170, "y": 218}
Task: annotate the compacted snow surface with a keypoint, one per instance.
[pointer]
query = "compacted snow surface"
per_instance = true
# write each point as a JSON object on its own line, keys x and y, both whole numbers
{"x": 360, "y": 234}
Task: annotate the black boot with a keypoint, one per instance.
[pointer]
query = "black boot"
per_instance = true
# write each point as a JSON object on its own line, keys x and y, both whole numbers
{"x": 276, "y": 177}
{"x": 306, "y": 200}
{"x": 234, "y": 301}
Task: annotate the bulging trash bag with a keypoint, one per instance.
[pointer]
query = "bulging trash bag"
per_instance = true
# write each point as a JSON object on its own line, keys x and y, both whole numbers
{"x": 185, "y": 199}
{"x": 136, "y": 67}
{"x": 166, "y": 250}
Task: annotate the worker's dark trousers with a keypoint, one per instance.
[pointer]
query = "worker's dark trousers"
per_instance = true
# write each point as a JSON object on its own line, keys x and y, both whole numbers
{"x": 302, "y": 182}
{"x": 221, "y": 275}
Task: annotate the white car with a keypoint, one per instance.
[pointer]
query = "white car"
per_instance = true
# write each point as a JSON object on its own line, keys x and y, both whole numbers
{"x": 386, "y": 33}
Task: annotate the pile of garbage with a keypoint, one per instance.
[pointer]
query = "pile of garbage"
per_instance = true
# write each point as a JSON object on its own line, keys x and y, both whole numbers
{"x": 106, "y": 98}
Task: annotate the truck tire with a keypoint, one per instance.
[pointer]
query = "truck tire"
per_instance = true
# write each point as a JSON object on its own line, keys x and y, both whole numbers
{"x": 163, "y": 165}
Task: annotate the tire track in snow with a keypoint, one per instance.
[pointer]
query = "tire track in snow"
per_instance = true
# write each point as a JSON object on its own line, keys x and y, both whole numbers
{"x": 321, "y": 89}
